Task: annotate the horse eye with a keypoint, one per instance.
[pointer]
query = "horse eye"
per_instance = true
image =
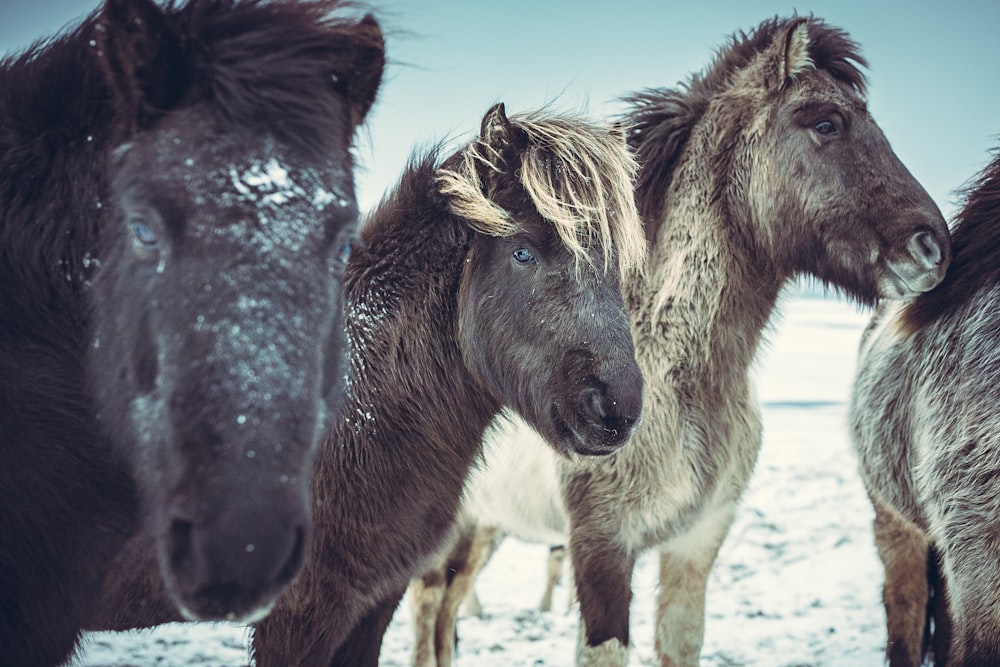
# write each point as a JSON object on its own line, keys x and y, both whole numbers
{"x": 825, "y": 127}
{"x": 343, "y": 253}
{"x": 523, "y": 256}
{"x": 144, "y": 235}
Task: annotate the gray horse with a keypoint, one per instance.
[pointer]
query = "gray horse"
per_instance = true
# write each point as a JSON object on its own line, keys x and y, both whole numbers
{"x": 924, "y": 421}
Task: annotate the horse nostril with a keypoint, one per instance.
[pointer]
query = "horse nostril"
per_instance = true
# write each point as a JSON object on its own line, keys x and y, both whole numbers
{"x": 925, "y": 250}
{"x": 594, "y": 404}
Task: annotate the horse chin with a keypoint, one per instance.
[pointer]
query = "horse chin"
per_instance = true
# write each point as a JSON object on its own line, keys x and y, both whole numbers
{"x": 902, "y": 280}
{"x": 244, "y": 618}
{"x": 211, "y": 605}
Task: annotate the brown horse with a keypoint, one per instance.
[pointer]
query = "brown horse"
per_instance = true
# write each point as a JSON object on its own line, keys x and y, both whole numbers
{"x": 924, "y": 418}
{"x": 176, "y": 189}
{"x": 490, "y": 278}
{"x": 765, "y": 166}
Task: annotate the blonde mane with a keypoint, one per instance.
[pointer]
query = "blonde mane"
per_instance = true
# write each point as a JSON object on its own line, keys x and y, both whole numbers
{"x": 579, "y": 176}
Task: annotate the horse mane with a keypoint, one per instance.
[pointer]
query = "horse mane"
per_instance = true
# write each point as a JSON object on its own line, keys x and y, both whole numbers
{"x": 255, "y": 64}
{"x": 258, "y": 64}
{"x": 661, "y": 119}
{"x": 268, "y": 64}
{"x": 975, "y": 243}
{"x": 579, "y": 176}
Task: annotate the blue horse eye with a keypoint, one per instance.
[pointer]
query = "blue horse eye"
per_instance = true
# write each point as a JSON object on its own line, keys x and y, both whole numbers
{"x": 344, "y": 252}
{"x": 144, "y": 234}
{"x": 825, "y": 127}
{"x": 523, "y": 256}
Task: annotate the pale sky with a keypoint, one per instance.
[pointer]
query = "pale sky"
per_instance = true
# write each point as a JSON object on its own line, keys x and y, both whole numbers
{"x": 934, "y": 68}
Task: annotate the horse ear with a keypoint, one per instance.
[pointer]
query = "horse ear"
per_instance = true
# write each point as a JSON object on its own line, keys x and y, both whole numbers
{"x": 795, "y": 50}
{"x": 496, "y": 129}
{"x": 139, "y": 54}
{"x": 363, "y": 73}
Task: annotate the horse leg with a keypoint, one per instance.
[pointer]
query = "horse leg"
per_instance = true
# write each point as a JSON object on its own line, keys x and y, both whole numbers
{"x": 363, "y": 644}
{"x": 462, "y": 576}
{"x": 557, "y": 555}
{"x": 684, "y": 568}
{"x": 316, "y": 620}
{"x": 939, "y": 614}
{"x": 426, "y": 598}
{"x": 603, "y": 574}
{"x": 903, "y": 549}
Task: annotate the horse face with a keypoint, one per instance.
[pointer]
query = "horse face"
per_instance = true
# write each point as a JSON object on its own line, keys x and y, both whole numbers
{"x": 219, "y": 349}
{"x": 834, "y": 198}
{"x": 552, "y": 338}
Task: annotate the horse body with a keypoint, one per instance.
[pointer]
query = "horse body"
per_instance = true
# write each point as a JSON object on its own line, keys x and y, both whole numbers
{"x": 923, "y": 415}
{"x": 763, "y": 167}
{"x": 487, "y": 279}
{"x": 162, "y": 209}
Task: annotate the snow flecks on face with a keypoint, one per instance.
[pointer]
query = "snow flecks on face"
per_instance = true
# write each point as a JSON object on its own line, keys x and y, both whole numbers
{"x": 269, "y": 184}
{"x": 258, "y": 356}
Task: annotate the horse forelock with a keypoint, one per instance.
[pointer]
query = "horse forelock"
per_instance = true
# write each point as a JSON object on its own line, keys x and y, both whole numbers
{"x": 975, "y": 242}
{"x": 580, "y": 177}
{"x": 275, "y": 65}
{"x": 661, "y": 119}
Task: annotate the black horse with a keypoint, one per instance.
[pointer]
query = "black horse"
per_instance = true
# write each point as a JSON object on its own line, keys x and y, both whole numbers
{"x": 489, "y": 278}
{"x": 176, "y": 193}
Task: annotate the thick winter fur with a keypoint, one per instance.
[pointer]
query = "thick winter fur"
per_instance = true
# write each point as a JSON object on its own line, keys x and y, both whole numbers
{"x": 781, "y": 172}
{"x": 924, "y": 419}
{"x": 153, "y": 162}
{"x": 765, "y": 166}
{"x": 450, "y": 319}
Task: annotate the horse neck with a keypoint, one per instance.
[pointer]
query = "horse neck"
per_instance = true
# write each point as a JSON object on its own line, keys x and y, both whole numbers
{"x": 704, "y": 301}
{"x": 412, "y": 404}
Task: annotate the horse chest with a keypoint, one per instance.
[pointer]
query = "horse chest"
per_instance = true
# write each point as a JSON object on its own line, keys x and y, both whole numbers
{"x": 685, "y": 460}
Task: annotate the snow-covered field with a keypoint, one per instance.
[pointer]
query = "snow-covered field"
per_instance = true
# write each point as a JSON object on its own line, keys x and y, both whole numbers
{"x": 796, "y": 584}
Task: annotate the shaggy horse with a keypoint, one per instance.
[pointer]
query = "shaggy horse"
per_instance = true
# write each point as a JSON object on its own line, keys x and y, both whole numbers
{"x": 490, "y": 278}
{"x": 175, "y": 195}
{"x": 924, "y": 422}
{"x": 765, "y": 166}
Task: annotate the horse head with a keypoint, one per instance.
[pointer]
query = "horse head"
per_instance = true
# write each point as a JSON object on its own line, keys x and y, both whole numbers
{"x": 219, "y": 328}
{"x": 542, "y": 320}
{"x": 830, "y": 196}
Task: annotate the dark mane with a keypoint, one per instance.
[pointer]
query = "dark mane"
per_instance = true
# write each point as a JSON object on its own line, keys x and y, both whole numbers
{"x": 415, "y": 194}
{"x": 264, "y": 65}
{"x": 661, "y": 119}
{"x": 254, "y": 64}
{"x": 975, "y": 243}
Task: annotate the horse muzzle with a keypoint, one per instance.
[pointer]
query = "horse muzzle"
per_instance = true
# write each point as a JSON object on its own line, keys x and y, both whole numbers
{"x": 921, "y": 268}
{"x": 233, "y": 565}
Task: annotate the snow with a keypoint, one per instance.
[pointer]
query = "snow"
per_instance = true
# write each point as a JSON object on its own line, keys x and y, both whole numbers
{"x": 797, "y": 582}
